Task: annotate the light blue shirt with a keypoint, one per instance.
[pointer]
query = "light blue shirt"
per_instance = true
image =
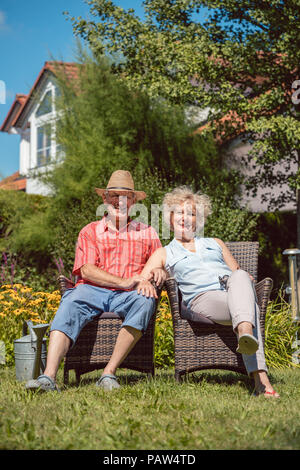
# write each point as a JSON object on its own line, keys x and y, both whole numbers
{"x": 196, "y": 272}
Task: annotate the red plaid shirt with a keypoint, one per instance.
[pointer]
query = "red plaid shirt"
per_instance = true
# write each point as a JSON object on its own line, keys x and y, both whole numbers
{"x": 122, "y": 253}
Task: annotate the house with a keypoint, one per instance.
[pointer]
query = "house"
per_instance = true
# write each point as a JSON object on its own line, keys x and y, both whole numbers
{"x": 236, "y": 149}
{"x": 33, "y": 118}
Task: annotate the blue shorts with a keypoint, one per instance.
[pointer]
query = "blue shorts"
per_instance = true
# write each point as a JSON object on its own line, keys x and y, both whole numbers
{"x": 83, "y": 303}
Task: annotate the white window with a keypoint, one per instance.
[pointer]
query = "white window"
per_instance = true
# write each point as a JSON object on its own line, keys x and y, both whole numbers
{"x": 43, "y": 144}
{"x": 46, "y": 105}
{"x": 45, "y": 149}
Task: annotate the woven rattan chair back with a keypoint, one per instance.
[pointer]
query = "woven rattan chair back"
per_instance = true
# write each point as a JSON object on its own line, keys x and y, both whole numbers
{"x": 96, "y": 341}
{"x": 211, "y": 346}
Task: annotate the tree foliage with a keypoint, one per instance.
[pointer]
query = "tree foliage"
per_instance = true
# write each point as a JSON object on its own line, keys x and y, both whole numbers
{"x": 237, "y": 59}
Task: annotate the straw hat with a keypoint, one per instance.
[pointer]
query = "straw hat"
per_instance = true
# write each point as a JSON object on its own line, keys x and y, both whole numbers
{"x": 121, "y": 180}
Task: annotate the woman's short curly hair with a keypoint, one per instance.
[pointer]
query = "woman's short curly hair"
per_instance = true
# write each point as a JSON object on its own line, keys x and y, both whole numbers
{"x": 183, "y": 194}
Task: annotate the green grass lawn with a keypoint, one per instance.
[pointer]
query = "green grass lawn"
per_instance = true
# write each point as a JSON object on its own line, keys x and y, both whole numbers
{"x": 210, "y": 410}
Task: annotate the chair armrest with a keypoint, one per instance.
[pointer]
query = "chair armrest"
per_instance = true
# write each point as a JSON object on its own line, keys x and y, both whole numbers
{"x": 173, "y": 294}
{"x": 64, "y": 283}
{"x": 263, "y": 291}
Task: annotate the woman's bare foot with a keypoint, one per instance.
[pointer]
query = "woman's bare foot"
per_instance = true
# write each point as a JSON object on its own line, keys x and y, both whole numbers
{"x": 263, "y": 386}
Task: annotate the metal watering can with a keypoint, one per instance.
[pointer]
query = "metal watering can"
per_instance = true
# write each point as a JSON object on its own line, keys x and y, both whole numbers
{"x": 31, "y": 351}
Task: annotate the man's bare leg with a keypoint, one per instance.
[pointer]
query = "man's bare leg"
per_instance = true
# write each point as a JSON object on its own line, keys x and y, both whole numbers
{"x": 59, "y": 345}
{"x": 126, "y": 340}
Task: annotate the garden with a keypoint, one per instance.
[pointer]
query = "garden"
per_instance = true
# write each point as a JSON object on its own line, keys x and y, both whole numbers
{"x": 208, "y": 410}
{"x": 137, "y": 105}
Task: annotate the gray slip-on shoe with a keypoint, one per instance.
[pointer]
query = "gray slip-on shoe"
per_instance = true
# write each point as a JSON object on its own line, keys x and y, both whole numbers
{"x": 247, "y": 344}
{"x": 42, "y": 383}
{"x": 108, "y": 382}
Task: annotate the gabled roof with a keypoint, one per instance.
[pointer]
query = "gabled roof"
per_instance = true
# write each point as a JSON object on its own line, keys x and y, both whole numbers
{"x": 13, "y": 112}
{"x": 14, "y": 181}
{"x": 17, "y": 111}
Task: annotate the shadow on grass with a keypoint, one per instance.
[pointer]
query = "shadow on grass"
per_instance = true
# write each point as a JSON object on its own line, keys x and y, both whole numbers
{"x": 220, "y": 377}
{"x": 124, "y": 379}
{"x": 226, "y": 378}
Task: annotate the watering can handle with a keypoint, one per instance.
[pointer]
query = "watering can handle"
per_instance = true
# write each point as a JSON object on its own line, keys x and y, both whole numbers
{"x": 25, "y": 329}
{"x": 26, "y": 324}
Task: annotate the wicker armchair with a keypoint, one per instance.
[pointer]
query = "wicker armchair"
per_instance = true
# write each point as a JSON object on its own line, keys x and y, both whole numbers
{"x": 205, "y": 344}
{"x": 96, "y": 341}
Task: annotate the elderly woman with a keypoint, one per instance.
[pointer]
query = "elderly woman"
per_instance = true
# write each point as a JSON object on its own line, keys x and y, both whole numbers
{"x": 198, "y": 264}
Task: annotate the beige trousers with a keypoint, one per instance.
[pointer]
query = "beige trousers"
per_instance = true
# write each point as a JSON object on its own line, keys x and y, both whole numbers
{"x": 234, "y": 306}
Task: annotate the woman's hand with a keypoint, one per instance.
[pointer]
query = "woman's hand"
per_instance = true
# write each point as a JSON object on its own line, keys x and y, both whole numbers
{"x": 159, "y": 276}
{"x": 146, "y": 288}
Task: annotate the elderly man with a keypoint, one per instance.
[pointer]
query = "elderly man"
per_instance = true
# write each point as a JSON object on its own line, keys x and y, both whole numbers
{"x": 110, "y": 255}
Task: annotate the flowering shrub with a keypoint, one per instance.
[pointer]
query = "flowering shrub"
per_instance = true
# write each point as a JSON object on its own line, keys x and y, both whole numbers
{"x": 280, "y": 334}
{"x": 18, "y": 304}
{"x": 164, "y": 339}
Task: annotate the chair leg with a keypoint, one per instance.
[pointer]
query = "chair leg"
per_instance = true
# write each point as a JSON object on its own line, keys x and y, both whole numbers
{"x": 177, "y": 376}
{"x": 150, "y": 375}
{"x": 66, "y": 375}
{"x": 78, "y": 375}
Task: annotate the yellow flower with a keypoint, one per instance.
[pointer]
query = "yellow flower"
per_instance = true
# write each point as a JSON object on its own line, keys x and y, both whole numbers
{"x": 7, "y": 304}
{"x": 52, "y": 308}
{"x": 34, "y": 314}
{"x": 25, "y": 289}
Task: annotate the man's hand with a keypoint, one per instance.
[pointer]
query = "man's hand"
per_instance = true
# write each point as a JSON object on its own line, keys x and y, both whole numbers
{"x": 131, "y": 282}
{"x": 159, "y": 276}
{"x": 146, "y": 288}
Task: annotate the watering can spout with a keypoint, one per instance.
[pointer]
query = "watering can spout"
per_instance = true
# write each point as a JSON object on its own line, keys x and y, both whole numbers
{"x": 37, "y": 334}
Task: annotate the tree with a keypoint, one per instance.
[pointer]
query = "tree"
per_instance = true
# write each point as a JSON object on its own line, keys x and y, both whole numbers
{"x": 240, "y": 62}
{"x": 104, "y": 123}
{"x": 103, "y": 126}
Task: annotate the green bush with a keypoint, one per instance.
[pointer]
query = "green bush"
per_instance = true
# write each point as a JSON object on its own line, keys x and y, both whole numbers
{"x": 15, "y": 208}
{"x": 21, "y": 216}
{"x": 230, "y": 223}
{"x": 280, "y": 333}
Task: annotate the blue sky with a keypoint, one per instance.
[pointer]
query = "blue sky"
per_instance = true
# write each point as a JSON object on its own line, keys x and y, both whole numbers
{"x": 32, "y": 32}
